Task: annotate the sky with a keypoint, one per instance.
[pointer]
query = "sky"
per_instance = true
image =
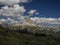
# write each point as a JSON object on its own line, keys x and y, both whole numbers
{"x": 46, "y": 8}
{"x": 41, "y": 11}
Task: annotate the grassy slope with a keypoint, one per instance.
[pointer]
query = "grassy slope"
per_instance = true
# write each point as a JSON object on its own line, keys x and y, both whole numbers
{"x": 10, "y": 37}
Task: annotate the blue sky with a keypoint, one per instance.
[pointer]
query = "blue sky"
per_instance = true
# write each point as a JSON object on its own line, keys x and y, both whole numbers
{"x": 46, "y": 8}
{"x": 42, "y": 11}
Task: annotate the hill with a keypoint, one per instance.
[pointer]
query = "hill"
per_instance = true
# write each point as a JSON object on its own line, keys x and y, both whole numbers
{"x": 23, "y": 37}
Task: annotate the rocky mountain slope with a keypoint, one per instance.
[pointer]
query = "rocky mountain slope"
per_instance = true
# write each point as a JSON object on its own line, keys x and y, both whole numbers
{"x": 28, "y": 35}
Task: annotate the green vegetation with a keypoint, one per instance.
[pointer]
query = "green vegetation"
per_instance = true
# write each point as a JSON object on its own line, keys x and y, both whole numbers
{"x": 20, "y": 37}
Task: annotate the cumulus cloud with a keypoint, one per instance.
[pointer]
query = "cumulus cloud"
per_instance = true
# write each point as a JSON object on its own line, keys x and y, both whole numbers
{"x": 12, "y": 2}
{"x": 9, "y": 21}
{"x": 46, "y": 20}
{"x": 58, "y": 18}
{"x": 36, "y": 13}
{"x": 3, "y": 20}
{"x": 16, "y": 10}
{"x": 31, "y": 12}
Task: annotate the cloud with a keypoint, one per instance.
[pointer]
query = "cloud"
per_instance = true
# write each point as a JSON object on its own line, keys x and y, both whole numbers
{"x": 16, "y": 10}
{"x": 3, "y": 20}
{"x": 31, "y": 12}
{"x": 12, "y": 2}
{"x": 46, "y": 20}
{"x": 37, "y": 13}
{"x": 58, "y": 18}
{"x": 9, "y": 21}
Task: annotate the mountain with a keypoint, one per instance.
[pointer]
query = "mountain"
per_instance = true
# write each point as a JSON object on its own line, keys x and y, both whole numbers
{"x": 48, "y": 24}
{"x": 22, "y": 36}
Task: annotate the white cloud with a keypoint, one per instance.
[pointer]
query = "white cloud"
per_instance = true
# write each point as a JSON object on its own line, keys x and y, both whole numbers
{"x": 46, "y": 20}
{"x": 9, "y": 21}
{"x": 3, "y": 20}
{"x": 31, "y": 12}
{"x": 16, "y": 10}
{"x": 12, "y": 2}
{"x": 58, "y": 18}
{"x": 36, "y": 13}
